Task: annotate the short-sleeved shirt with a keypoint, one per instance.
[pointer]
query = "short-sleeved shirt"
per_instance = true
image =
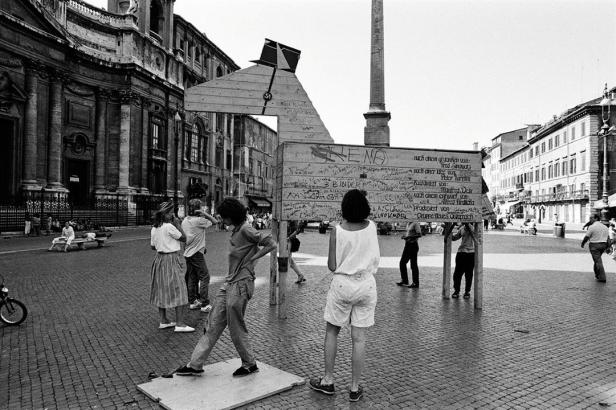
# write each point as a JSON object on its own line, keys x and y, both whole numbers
{"x": 413, "y": 228}
{"x": 467, "y": 245}
{"x": 194, "y": 228}
{"x": 244, "y": 243}
{"x": 165, "y": 238}
{"x": 597, "y": 233}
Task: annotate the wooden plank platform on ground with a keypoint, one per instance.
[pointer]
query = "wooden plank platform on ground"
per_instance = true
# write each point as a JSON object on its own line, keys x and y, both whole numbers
{"x": 217, "y": 388}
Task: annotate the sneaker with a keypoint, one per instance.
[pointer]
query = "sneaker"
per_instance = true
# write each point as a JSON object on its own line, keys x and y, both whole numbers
{"x": 184, "y": 329}
{"x": 455, "y": 294}
{"x": 195, "y": 305}
{"x": 166, "y": 325}
{"x": 188, "y": 371}
{"x": 315, "y": 384}
{"x": 245, "y": 371}
{"x": 466, "y": 295}
{"x": 356, "y": 395}
{"x": 206, "y": 309}
{"x": 402, "y": 284}
{"x": 414, "y": 285}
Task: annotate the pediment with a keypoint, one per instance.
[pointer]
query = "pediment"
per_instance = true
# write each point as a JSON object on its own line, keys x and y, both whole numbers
{"x": 36, "y": 16}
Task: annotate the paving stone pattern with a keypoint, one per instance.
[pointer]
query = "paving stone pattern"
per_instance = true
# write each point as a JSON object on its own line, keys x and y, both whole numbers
{"x": 544, "y": 340}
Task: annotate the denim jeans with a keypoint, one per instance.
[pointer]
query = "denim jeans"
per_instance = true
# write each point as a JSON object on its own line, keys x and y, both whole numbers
{"x": 596, "y": 250}
{"x": 229, "y": 308}
{"x": 197, "y": 279}
{"x": 411, "y": 249}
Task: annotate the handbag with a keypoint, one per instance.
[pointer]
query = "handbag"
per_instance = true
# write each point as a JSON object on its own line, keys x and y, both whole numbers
{"x": 295, "y": 244}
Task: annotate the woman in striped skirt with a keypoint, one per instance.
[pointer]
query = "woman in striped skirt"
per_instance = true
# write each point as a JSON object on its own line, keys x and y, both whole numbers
{"x": 168, "y": 288}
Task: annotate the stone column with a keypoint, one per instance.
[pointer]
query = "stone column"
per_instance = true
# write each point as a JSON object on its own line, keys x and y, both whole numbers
{"x": 145, "y": 143}
{"x": 100, "y": 163}
{"x": 376, "y": 131}
{"x": 30, "y": 130}
{"x": 54, "y": 160}
{"x": 124, "y": 160}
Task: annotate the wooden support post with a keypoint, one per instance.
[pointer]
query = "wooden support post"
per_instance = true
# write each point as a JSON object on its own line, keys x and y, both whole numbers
{"x": 283, "y": 268}
{"x": 274, "y": 268}
{"x": 478, "y": 296}
{"x": 447, "y": 261}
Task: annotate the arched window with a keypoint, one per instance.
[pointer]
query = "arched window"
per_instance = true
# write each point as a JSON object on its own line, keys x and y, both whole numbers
{"x": 218, "y": 71}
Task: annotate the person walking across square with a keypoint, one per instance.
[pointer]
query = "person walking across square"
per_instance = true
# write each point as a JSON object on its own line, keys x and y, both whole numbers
{"x": 597, "y": 236}
{"x": 247, "y": 245}
{"x": 354, "y": 258}
{"x": 465, "y": 260}
{"x": 411, "y": 249}
{"x": 197, "y": 274}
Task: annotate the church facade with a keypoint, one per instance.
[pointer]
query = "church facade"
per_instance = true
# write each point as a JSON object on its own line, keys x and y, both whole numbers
{"x": 91, "y": 104}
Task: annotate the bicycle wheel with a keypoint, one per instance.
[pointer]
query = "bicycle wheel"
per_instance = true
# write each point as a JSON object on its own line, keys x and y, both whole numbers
{"x": 13, "y": 312}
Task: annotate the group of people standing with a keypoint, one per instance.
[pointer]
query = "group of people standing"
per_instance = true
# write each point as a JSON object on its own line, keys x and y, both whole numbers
{"x": 465, "y": 257}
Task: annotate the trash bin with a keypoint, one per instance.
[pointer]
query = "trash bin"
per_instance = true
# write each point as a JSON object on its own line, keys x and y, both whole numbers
{"x": 559, "y": 230}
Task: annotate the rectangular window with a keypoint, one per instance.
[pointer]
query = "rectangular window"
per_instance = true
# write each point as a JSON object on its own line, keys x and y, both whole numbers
{"x": 556, "y": 141}
{"x": 550, "y": 171}
{"x": 205, "y": 157}
{"x": 572, "y": 165}
{"x": 194, "y": 148}
{"x": 556, "y": 169}
{"x": 186, "y": 145}
{"x": 537, "y": 175}
{"x": 564, "y": 166}
{"x": 537, "y": 150}
{"x": 543, "y": 174}
{"x": 583, "y": 161}
{"x": 572, "y": 133}
{"x": 543, "y": 147}
{"x": 550, "y": 146}
{"x": 229, "y": 159}
{"x": 583, "y": 130}
{"x": 582, "y": 188}
{"x": 564, "y": 136}
{"x": 156, "y": 140}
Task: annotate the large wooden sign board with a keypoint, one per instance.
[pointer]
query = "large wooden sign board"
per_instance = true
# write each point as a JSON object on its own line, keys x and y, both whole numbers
{"x": 402, "y": 184}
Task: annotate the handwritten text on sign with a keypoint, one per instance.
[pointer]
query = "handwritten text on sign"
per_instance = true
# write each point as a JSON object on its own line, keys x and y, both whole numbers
{"x": 402, "y": 184}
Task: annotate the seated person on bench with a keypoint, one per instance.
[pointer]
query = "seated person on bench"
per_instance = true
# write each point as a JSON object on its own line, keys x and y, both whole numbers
{"x": 68, "y": 235}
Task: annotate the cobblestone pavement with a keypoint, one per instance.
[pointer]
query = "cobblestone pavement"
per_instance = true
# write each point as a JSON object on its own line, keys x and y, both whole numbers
{"x": 544, "y": 339}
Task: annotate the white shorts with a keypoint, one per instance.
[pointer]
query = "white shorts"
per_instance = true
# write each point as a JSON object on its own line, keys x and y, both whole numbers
{"x": 351, "y": 299}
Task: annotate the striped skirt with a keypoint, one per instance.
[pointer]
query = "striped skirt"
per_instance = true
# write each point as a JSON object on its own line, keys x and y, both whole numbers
{"x": 168, "y": 285}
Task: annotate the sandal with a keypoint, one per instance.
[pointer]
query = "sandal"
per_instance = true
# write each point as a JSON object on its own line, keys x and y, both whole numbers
{"x": 300, "y": 279}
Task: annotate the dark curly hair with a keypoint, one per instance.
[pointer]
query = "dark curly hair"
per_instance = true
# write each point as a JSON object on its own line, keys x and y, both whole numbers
{"x": 355, "y": 206}
{"x": 233, "y": 209}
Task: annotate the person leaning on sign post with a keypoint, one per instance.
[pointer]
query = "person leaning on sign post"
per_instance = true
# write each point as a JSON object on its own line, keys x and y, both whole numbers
{"x": 411, "y": 249}
{"x": 597, "y": 235}
{"x": 465, "y": 260}
{"x": 353, "y": 257}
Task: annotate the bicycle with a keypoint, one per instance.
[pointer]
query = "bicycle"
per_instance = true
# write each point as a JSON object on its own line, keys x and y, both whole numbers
{"x": 12, "y": 311}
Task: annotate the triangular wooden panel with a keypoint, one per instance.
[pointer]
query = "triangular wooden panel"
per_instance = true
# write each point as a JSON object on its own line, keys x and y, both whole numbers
{"x": 241, "y": 92}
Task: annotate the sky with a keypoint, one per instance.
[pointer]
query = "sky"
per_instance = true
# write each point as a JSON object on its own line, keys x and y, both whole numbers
{"x": 456, "y": 71}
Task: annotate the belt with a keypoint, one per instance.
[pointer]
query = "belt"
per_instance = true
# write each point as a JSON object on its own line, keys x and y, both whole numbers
{"x": 167, "y": 253}
{"x": 356, "y": 276}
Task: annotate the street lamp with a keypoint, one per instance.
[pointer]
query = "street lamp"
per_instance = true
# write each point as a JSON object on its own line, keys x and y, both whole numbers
{"x": 178, "y": 122}
{"x": 605, "y": 131}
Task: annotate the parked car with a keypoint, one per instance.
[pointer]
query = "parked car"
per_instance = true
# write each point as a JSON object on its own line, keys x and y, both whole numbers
{"x": 384, "y": 228}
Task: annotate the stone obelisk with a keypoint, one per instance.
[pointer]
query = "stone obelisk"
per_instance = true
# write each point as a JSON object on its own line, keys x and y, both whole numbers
{"x": 376, "y": 131}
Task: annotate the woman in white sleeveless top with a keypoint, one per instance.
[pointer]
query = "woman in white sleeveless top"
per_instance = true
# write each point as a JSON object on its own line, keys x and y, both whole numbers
{"x": 353, "y": 258}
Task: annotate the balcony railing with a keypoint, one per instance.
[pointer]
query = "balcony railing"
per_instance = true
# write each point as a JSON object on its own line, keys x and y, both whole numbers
{"x": 561, "y": 196}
